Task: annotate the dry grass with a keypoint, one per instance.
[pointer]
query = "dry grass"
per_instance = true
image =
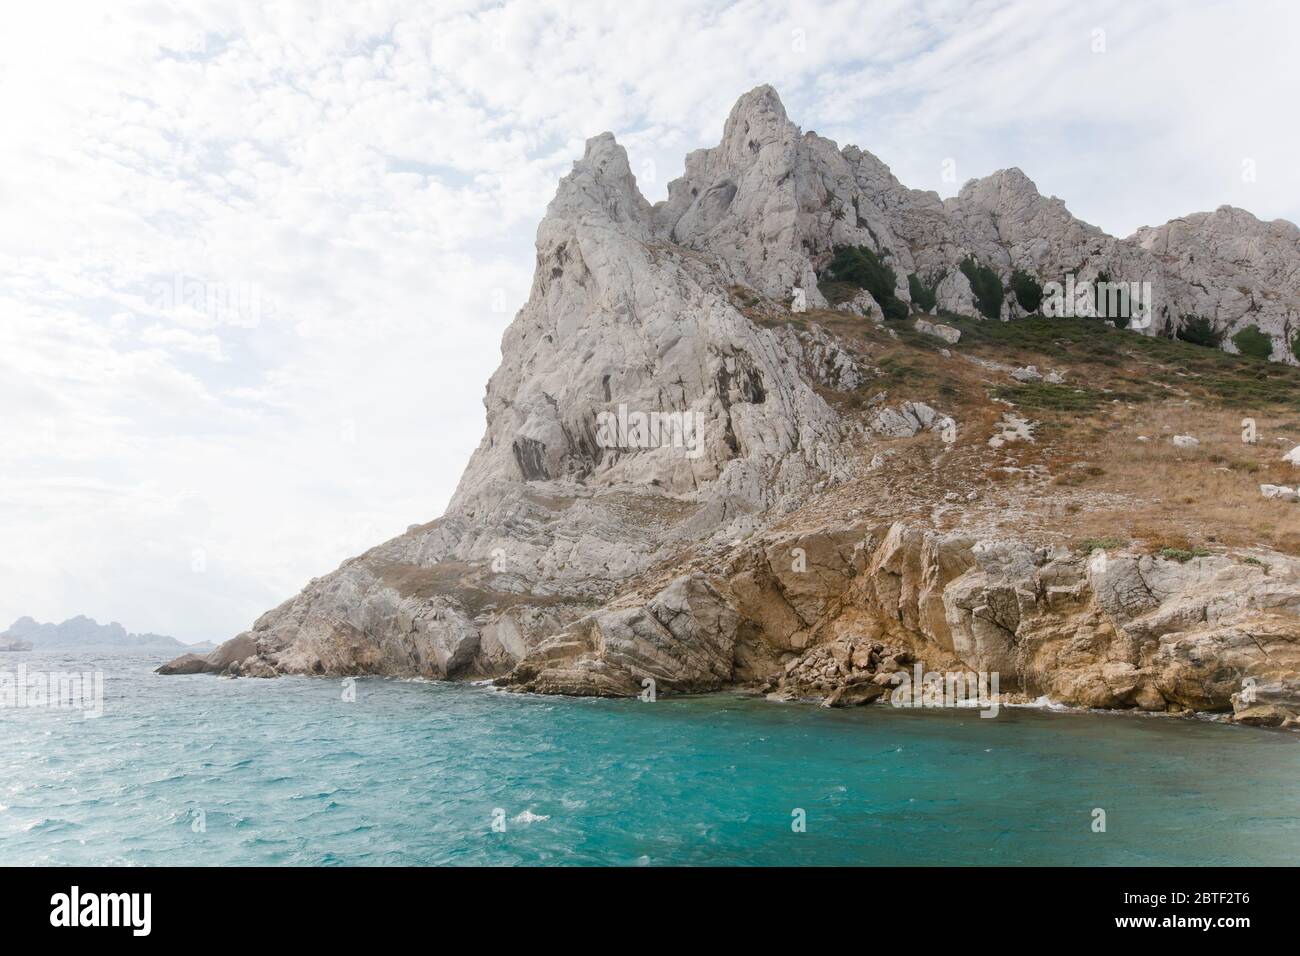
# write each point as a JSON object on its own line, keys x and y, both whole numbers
{"x": 1206, "y": 496}
{"x": 1086, "y": 475}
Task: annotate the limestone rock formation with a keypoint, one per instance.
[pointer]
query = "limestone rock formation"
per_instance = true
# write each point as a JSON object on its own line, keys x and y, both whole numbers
{"x": 1233, "y": 269}
{"x": 647, "y": 508}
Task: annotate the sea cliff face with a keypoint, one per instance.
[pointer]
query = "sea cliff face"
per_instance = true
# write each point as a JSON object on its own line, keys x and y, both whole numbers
{"x": 706, "y": 464}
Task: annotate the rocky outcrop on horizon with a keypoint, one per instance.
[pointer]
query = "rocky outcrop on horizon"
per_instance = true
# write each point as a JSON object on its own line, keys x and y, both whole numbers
{"x": 590, "y": 551}
{"x": 84, "y": 633}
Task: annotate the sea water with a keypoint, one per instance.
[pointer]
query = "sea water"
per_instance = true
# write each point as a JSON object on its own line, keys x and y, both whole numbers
{"x": 210, "y": 771}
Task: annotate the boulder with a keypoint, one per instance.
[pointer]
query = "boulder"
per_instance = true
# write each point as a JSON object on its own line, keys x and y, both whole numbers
{"x": 1279, "y": 492}
{"x": 186, "y": 664}
{"x": 1264, "y": 715}
{"x": 948, "y": 333}
{"x": 855, "y": 695}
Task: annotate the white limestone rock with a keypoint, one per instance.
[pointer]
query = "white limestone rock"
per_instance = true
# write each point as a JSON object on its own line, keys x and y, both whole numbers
{"x": 1233, "y": 269}
{"x": 1279, "y": 492}
{"x": 823, "y": 358}
{"x": 948, "y": 333}
{"x": 908, "y": 419}
{"x": 954, "y": 294}
{"x": 1012, "y": 428}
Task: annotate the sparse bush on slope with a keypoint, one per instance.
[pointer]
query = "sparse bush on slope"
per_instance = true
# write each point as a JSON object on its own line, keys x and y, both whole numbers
{"x": 860, "y": 266}
{"x": 986, "y": 285}
{"x": 923, "y": 296}
{"x": 1028, "y": 292}
{"x": 1117, "y": 309}
{"x": 1198, "y": 330}
{"x": 1253, "y": 343}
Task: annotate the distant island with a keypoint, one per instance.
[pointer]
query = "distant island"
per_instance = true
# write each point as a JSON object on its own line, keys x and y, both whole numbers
{"x": 84, "y": 633}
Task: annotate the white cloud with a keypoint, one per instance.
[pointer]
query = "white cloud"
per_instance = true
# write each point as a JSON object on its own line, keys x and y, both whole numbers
{"x": 250, "y": 253}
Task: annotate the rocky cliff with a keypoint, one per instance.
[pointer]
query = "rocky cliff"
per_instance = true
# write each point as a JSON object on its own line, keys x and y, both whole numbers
{"x": 710, "y": 461}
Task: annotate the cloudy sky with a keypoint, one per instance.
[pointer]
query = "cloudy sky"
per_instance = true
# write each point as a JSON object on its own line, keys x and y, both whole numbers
{"x": 256, "y": 258}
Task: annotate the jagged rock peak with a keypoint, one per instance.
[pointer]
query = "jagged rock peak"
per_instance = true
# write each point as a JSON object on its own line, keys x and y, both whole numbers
{"x": 758, "y": 119}
{"x": 1011, "y": 181}
{"x": 601, "y": 187}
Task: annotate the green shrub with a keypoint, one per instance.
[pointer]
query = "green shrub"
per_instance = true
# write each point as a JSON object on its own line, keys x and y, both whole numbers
{"x": 860, "y": 266}
{"x": 1198, "y": 330}
{"x": 1295, "y": 345}
{"x": 1251, "y": 342}
{"x": 986, "y": 285}
{"x": 1089, "y": 545}
{"x": 1183, "y": 555}
{"x": 1122, "y": 310}
{"x": 1049, "y": 397}
{"x": 895, "y": 309}
{"x": 1028, "y": 292}
{"x": 1232, "y": 381}
{"x": 923, "y": 297}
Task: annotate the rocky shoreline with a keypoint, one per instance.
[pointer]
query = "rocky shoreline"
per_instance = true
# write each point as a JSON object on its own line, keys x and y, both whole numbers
{"x": 1118, "y": 631}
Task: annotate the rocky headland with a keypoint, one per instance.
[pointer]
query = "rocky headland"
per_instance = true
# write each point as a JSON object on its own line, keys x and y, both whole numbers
{"x": 798, "y": 427}
{"x": 82, "y": 633}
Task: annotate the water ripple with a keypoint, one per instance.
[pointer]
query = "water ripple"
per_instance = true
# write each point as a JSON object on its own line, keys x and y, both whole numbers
{"x": 194, "y": 770}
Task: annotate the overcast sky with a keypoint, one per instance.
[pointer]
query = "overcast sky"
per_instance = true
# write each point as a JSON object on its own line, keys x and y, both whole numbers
{"x": 256, "y": 259}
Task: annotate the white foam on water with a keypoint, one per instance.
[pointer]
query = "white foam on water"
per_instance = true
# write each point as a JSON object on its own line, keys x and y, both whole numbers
{"x": 1044, "y": 703}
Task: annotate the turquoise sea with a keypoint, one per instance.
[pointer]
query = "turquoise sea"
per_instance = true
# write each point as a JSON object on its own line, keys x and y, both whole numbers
{"x": 208, "y": 771}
